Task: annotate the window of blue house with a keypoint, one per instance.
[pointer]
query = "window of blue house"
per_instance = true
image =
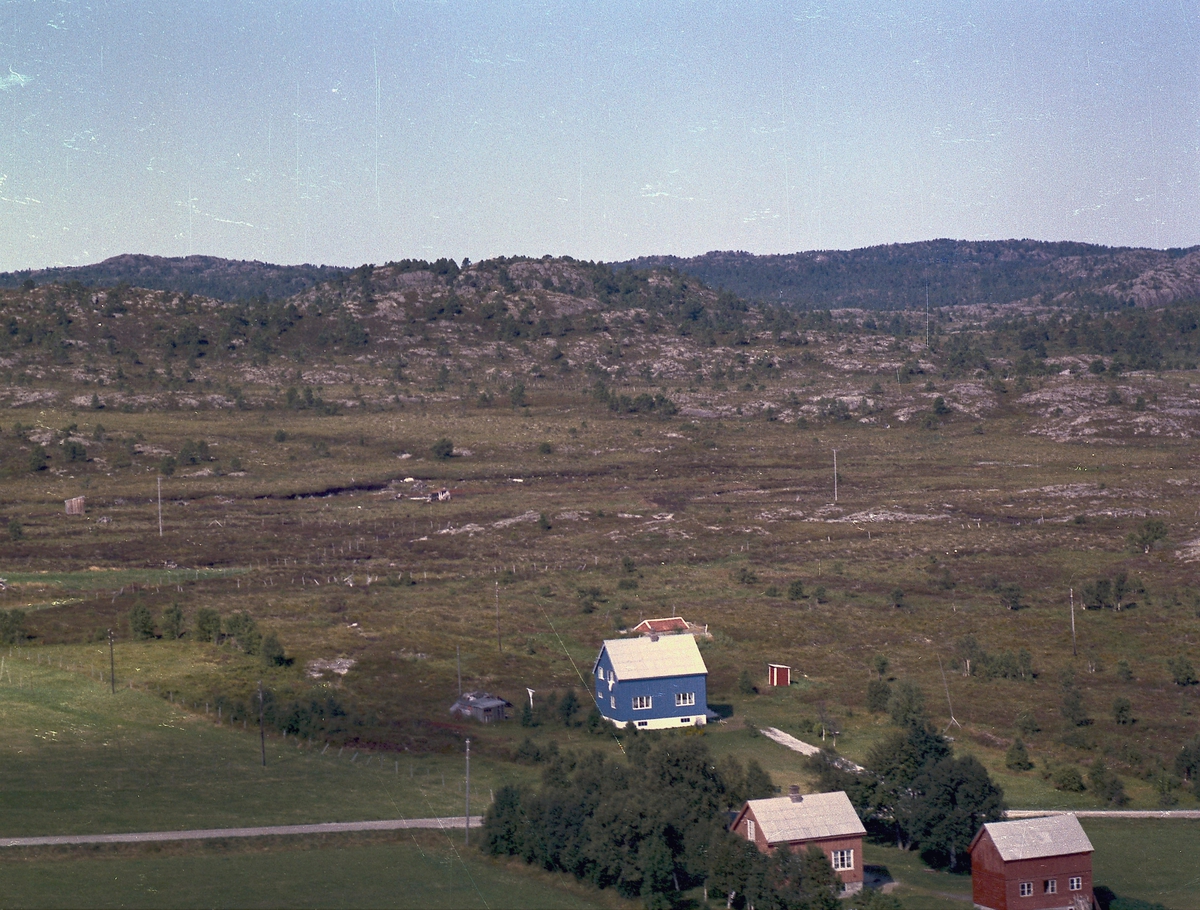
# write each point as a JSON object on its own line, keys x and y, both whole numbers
{"x": 685, "y": 699}
{"x": 642, "y": 702}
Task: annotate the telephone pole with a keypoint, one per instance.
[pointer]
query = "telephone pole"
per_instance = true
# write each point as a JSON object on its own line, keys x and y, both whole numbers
{"x": 112, "y": 664}
{"x": 467, "y": 825}
{"x": 160, "y": 505}
{"x": 262, "y": 730}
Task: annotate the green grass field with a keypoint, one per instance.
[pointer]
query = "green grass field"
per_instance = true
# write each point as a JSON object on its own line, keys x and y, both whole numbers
{"x": 422, "y": 871}
{"x": 78, "y": 759}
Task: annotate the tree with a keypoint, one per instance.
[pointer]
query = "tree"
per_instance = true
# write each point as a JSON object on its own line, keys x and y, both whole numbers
{"x": 1017, "y": 757}
{"x": 443, "y": 449}
{"x": 15, "y": 531}
{"x": 1144, "y": 538}
{"x": 1010, "y": 596}
{"x": 1122, "y": 710}
{"x": 12, "y": 626}
{"x": 272, "y": 651}
{"x": 1187, "y": 762}
{"x": 567, "y": 708}
{"x": 958, "y": 797}
{"x": 1073, "y": 710}
{"x": 172, "y": 622}
{"x": 1106, "y": 786}
{"x": 796, "y": 590}
{"x": 141, "y": 622}
{"x": 38, "y": 458}
{"x": 879, "y": 693}
{"x": 907, "y": 704}
{"x": 746, "y": 683}
{"x": 1182, "y": 671}
{"x": 208, "y": 625}
{"x": 242, "y": 628}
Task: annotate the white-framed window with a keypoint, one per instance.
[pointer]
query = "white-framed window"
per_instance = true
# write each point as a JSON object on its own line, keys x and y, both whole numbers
{"x": 685, "y": 720}
{"x": 599, "y": 673}
{"x": 1026, "y": 889}
{"x": 1075, "y": 883}
{"x": 612, "y": 702}
{"x": 685, "y": 699}
{"x": 1050, "y": 886}
{"x": 842, "y": 859}
{"x": 643, "y": 702}
{"x": 749, "y": 829}
{"x": 643, "y": 723}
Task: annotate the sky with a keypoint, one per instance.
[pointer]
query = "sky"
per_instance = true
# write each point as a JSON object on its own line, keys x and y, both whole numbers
{"x": 353, "y": 131}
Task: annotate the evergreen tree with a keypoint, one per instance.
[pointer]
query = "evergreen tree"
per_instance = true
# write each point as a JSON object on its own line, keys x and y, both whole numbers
{"x": 141, "y": 622}
{"x": 1017, "y": 757}
{"x": 172, "y": 622}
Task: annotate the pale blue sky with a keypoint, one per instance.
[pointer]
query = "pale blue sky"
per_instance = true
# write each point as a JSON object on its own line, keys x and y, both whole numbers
{"x": 350, "y": 132}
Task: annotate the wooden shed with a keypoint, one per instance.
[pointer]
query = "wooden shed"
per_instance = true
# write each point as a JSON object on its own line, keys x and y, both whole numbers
{"x": 75, "y": 505}
{"x": 1032, "y": 864}
{"x": 483, "y": 706}
{"x": 779, "y": 675}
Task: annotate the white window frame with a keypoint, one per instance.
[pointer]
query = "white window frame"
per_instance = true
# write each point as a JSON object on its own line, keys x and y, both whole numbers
{"x": 842, "y": 860}
{"x": 643, "y": 702}
{"x": 750, "y": 829}
{"x": 1026, "y": 889}
{"x": 685, "y": 699}
{"x": 612, "y": 702}
{"x": 1050, "y": 886}
{"x": 1075, "y": 883}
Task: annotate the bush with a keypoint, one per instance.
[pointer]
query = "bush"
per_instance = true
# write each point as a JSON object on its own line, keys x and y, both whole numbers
{"x": 745, "y": 683}
{"x": 1182, "y": 671}
{"x": 796, "y": 590}
{"x": 172, "y": 622}
{"x": 1068, "y": 779}
{"x": 15, "y": 531}
{"x": 443, "y": 449}
{"x": 879, "y": 693}
{"x": 141, "y": 623}
{"x": 12, "y": 626}
{"x": 1017, "y": 757}
{"x": 273, "y": 654}
{"x": 907, "y": 704}
{"x": 208, "y": 625}
{"x": 1122, "y": 710}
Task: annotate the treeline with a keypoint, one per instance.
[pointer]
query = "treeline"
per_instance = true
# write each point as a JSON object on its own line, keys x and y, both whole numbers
{"x": 652, "y": 826}
{"x": 906, "y": 276}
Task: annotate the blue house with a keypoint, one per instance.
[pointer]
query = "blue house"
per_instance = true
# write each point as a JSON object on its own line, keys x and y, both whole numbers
{"x": 652, "y": 681}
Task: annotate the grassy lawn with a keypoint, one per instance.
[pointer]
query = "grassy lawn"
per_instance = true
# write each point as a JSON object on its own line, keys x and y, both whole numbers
{"x": 1148, "y": 859}
{"x": 426, "y": 870}
{"x": 78, "y": 759}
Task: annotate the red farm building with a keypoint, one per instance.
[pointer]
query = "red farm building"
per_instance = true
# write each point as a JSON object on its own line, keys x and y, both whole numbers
{"x": 826, "y": 820}
{"x": 1032, "y": 864}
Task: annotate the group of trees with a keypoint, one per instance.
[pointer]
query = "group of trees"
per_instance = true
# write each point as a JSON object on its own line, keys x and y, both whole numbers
{"x": 914, "y": 790}
{"x": 12, "y": 626}
{"x": 652, "y": 826}
{"x": 239, "y": 630}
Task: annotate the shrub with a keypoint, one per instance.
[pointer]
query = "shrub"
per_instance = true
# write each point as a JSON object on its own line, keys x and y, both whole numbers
{"x": 745, "y": 683}
{"x": 15, "y": 531}
{"x": 1017, "y": 757}
{"x": 796, "y": 590}
{"x": 172, "y": 622}
{"x": 208, "y": 625}
{"x": 907, "y": 704}
{"x": 1122, "y": 711}
{"x": 1027, "y": 724}
{"x": 12, "y": 626}
{"x": 141, "y": 622}
{"x": 273, "y": 654}
{"x": 1182, "y": 671}
{"x": 879, "y": 693}
{"x": 1068, "y": 779}
{"x": 545, "y": 449}
{"x": 443, "y": 449}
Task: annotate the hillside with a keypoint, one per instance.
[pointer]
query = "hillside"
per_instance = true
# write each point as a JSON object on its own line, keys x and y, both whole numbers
{"x": 618, "y": 445}
{"x": 951, "y": 273}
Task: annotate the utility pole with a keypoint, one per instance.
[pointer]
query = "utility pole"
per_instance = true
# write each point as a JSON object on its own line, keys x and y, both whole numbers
{"x": 458, "y": 662}
{"x": 160, "y": 505}
{"x": 112, "y": 664}
{"x": 499, "y": 644}
{"x": 467, "y": 825}
{"x": 262, "y": 730}
{"x": 1074, "y": 652}
{"x": 835, "y": 475}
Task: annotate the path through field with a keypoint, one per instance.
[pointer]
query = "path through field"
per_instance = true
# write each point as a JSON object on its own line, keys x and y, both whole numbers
{"x": 392, "y": 824}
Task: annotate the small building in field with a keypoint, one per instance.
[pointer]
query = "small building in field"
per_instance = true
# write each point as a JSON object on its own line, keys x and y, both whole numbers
{"x": 652, "y": 682}
{"x": 1032, "y": 864}
{"x": 794, "y": 822}
{"x": 482, "y": 706}
{"x": 779, "y": 675}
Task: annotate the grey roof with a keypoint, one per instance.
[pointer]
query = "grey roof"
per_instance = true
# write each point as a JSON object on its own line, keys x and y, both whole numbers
{"x": 479, "y": 700}
{"x": 1034, "y": 838}
{"x": 816, "y": 816}
{"x": 648, "y": 658}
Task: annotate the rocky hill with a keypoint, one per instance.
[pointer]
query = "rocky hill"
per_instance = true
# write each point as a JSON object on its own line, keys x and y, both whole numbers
{"x": 951, "y": 273}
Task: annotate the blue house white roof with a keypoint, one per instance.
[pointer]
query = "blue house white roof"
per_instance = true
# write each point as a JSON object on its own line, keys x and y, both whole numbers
{"x": 649, "y": 658}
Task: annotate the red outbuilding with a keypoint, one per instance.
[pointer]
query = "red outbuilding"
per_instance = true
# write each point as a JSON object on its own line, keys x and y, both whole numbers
{"x": 825, "y": 820}
{"x": 1032, "y": 864}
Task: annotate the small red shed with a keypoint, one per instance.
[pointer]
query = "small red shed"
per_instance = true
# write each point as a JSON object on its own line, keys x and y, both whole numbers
{"x": 779, "y": 675}
{"x": 1032, "y": 864}
{"x": 826, "y": 820}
